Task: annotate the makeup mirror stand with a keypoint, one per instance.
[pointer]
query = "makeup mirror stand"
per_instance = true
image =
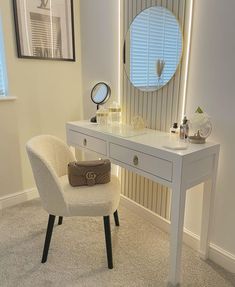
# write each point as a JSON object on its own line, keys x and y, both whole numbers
{"x": 100, "y": 95}
{"x": 93, "y": 119}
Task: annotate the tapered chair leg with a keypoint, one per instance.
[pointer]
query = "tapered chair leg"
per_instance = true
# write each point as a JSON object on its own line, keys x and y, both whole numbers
{"x": 108, "y": 241}
{"x": 60, "y": 221}
{"x": 50, "y": 226}
{"x": 116, "y": 219}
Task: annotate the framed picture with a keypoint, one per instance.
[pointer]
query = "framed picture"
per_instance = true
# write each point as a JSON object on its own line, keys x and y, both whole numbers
{"x": 45, "y": 29}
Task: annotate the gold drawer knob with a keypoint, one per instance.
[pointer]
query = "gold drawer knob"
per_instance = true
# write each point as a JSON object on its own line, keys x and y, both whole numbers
{"x": 135, "y": 160}
{"x": 85, "y": 142}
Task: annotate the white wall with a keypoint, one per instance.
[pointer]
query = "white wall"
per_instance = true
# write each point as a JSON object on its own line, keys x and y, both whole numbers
{"x": 48, "y": 94}
{"x": 99, "y": 48}
{"x": 212, "y": 86}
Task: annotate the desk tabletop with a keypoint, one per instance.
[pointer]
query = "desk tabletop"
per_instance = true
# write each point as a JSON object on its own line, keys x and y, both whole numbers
{"x": 146, "y": 138}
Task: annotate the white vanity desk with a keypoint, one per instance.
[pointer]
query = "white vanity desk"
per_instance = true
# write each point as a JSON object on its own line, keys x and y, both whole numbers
{"x": 143, "y": 152}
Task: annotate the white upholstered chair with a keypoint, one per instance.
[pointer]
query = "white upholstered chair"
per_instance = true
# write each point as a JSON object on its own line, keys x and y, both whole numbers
{"x": 49, "y": 158}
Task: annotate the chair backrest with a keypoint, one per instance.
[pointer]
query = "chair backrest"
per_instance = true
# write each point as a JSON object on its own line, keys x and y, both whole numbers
{"x": 49, "y": 158}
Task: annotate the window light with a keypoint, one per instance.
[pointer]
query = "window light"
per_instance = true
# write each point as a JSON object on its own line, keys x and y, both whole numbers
{"x": 3, "y": 78}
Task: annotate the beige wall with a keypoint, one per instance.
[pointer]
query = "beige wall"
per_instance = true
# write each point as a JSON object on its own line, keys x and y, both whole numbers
{"x": 100, "y": 48}
{"x": 211, "y": 85}
{"x": 48, "y": 94}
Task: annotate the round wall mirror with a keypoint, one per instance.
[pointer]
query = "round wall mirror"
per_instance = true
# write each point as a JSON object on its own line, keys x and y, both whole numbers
{"x": 100, "y": 93}
{"x": 153, "y": 48}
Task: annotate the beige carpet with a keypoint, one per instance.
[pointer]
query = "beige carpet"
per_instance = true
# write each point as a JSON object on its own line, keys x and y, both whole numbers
{"x": 77, "y": 256}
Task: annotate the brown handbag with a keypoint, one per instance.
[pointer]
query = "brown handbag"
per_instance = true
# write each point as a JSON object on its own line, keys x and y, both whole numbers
{"x": 89, "y": 172}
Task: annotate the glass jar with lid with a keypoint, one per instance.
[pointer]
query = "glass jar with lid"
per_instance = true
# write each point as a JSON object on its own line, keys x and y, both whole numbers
{"x": 102, "y": 117}
{"x": 115, "y": 114}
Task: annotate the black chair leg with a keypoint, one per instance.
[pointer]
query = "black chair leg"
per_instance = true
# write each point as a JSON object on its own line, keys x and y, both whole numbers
{"x": 60, "y": 221}
{"x": 108, "y": 241}
{"x": 50, "y": 226}
{"x": 116, "y": 219}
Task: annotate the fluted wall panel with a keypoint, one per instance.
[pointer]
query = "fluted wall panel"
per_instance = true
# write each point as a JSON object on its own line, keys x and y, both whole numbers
{"x": 159, "y": 109}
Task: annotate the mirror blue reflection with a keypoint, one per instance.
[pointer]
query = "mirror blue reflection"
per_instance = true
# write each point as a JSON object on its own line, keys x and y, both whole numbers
{"x": 153, "y": 48}
{"x": 100, "y": 93}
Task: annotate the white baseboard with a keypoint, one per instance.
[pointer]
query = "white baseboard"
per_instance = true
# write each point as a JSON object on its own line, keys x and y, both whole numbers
{"x": 216, "y": 254}
{"x": 222, "y": 257}
{"x": 18, "y": 197}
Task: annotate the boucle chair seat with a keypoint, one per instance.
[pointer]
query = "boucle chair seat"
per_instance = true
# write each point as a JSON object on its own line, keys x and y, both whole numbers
{"x": 97, "y": 200}
{"x": 49, "y": 158}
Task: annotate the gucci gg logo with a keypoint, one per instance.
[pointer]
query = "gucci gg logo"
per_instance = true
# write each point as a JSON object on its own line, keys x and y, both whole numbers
{"x": 90, "y": 175}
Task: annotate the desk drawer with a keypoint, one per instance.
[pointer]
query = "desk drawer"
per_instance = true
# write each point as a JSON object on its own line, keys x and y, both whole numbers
{"x": 150, "y": 164}
{"x": 85, "y": 141}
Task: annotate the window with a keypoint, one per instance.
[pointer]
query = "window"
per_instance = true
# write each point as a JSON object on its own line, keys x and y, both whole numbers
{"x": 3, "y": 79}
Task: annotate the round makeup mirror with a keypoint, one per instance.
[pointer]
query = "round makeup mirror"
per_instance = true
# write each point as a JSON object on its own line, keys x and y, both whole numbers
{"x": 153, "y": 48}
{"x": 100, "y": 95}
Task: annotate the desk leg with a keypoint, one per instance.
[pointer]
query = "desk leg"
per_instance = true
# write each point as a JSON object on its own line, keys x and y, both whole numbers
{"x": 176, "y": 234}
{"x": 207, "y": 211}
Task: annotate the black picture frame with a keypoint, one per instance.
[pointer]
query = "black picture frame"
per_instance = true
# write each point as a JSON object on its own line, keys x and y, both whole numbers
{"x": 44, "y": 30}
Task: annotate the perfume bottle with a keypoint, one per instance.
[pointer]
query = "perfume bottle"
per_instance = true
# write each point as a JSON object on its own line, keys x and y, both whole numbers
{"x": 184, "y": 129}
{"x": 174, "y": 129}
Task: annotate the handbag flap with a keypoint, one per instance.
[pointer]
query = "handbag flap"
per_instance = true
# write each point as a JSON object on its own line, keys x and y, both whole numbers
{"x": 91, "y": 163}
{"x": 80, "y": 168}
{"x": 89, "y": 172}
